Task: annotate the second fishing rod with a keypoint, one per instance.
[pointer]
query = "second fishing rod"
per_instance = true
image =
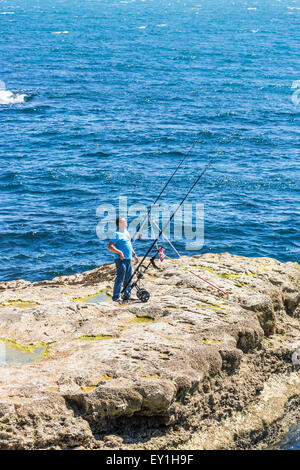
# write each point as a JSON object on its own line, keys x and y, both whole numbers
{"x": 167, "y": 184}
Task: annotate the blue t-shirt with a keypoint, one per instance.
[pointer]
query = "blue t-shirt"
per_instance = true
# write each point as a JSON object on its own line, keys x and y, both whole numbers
{"x": 122, "y": 242}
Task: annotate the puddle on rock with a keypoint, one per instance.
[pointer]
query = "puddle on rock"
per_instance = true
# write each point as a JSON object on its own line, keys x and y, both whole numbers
{"x": 98, "y": 297}
{"x": 15, "y": 354}
{"x": 102, "y": 297}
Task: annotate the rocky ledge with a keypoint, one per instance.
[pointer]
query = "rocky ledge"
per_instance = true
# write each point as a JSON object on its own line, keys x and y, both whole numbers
{"x": 191, "y": 369}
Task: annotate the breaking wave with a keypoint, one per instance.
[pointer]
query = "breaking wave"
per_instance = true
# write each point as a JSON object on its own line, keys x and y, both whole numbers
{"x": 9, "y": 97}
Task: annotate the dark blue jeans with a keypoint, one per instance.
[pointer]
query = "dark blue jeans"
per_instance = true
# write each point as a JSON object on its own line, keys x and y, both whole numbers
{"x": 123, "y": 274}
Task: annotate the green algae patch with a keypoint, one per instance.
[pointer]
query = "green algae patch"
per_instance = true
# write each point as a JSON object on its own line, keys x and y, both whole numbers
{"x": 88, "y": 389}
{"x": 185, "y": 323}
{"x": 53, "y": 389}
{"x": 13, "y": 353}
{"x": 155, "y": 376}
{"x": 211, "y": 341}
{"x": 224, "y": 275}
{"x": 236, "y": 275}
{"x": 212, "y": 306}
{"x": 263, "y": 267}
{"x": 96, "y": 297}
{"x": 203, "y": 267}
{"x": 20, "y": 303}
{"x": 94, "y": 338}
{"x": 143, "y": 320}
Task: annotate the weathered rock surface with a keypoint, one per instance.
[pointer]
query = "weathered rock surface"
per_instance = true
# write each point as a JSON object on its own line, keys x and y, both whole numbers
{"x": 191, "y": 362}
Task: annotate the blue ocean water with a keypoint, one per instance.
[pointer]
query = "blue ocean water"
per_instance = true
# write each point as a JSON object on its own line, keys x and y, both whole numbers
{"x": 291, "y": 440}
{"x": 103, "y": 98}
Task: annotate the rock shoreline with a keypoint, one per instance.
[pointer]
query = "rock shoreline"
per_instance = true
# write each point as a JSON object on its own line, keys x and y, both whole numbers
{"x": 191, "y": 369}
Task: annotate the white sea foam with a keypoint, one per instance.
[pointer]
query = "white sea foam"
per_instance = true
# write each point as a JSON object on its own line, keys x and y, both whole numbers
{"x": 254, "y": 30}
{"x": 142, "y": 27}
{"x": 294, "y": 8}
{"x": 8, "y": 97}
{"x": 61, "y": 32}
{"x": 252, "y": 8}
{"x": 161, "y": 25}
{"x": 7, "y": 13}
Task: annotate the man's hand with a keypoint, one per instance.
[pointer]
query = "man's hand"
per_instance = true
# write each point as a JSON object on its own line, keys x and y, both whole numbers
{"x": 136, "y": 260}
{"x": 121, "y": 256}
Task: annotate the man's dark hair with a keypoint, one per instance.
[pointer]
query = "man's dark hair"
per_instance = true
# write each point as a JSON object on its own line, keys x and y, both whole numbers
{"x": 118, "y": 221}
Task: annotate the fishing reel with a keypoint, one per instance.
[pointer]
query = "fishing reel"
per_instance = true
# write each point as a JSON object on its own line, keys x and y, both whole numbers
{"x": 142, "y": 294}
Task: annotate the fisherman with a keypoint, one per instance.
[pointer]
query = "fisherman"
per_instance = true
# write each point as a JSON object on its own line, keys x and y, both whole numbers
{"x": 122, "y": 248}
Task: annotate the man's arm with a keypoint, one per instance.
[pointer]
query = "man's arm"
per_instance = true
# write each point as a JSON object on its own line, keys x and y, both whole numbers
{"x": 136, "y": 259}
{"x": 113, "y": 249}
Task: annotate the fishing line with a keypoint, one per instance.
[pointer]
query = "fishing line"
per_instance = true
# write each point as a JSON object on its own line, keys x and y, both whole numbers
{"x": 195, "y": 274}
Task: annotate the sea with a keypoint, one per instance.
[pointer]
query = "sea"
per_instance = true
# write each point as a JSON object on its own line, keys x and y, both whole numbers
{"x": 103, "y": 98}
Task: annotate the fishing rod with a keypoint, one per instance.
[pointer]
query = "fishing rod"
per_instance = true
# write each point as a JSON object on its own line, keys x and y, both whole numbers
{"x": 143, "y": 294}
{"x": 194, "y": 274}
{"x": 167, "y": 184}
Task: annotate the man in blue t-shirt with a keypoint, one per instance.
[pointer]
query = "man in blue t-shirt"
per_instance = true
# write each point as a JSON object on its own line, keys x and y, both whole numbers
{"x": 122, "y": 248}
